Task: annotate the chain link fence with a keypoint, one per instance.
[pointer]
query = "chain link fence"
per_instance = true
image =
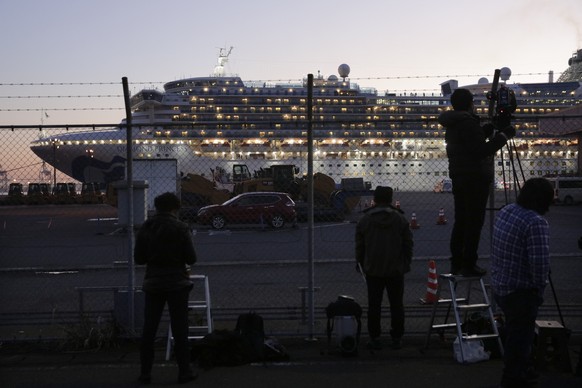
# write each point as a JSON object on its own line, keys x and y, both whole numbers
{"x": 64, "y": 252}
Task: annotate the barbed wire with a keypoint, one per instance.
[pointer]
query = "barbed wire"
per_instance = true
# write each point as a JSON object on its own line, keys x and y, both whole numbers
{"x": 33, "y": 97}
{"x": 69, "y": 96}
{"x": 269, "y": 80}
{"x": 52, "y": 109}
{"x": 57, "y": 83}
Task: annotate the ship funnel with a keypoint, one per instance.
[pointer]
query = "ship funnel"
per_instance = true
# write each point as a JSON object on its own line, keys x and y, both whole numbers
{"x": 551, "y": 77}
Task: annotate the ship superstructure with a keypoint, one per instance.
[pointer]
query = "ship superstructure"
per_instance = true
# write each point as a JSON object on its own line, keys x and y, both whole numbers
{"x": 220, "y": 120}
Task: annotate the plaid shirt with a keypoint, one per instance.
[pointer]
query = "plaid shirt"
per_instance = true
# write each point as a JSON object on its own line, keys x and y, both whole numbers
{"x": 521, "y": 251}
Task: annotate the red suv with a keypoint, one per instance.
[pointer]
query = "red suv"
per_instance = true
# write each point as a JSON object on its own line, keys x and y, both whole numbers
{"x": 250, "y": 208}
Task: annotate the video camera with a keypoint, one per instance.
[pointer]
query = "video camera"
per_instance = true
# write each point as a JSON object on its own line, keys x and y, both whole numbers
{"x": 505, "y": 106}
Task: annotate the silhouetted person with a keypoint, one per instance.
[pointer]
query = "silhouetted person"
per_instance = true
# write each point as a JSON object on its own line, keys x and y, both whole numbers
{"x": 520, "y": 267}
{"x": 164, "y": 244}
{"x": 384, "y": 252}
{"x": 471, "y": 171}
{"x": 578, "y": 370}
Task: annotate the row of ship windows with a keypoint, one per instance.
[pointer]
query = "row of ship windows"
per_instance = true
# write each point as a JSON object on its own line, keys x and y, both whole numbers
{"x": 276, "y": 117}
{"x": 371, "y": 173}
{"x": 287, "y": 118}
{"x": 259, "y": 96}
{"x": 391, "y": 131}
{"x": 531, "y": 163}
{"x": 293, "y": 119}
{"x": 264, "y": 92}
{"x": 382, "y": 104}
{"x": 376, "y": 114}
{"x": 202, "y": 105}
{"x": 370, "y": 165}
{"x": 270, "y": 101}
{"x": 445, "y": 173}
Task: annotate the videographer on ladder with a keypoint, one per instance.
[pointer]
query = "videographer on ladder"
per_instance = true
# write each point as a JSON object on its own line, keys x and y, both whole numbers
{"x": 470, "y": 149}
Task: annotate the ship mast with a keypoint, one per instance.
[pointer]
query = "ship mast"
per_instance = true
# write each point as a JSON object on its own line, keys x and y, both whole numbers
{"x": 222, "y": 60}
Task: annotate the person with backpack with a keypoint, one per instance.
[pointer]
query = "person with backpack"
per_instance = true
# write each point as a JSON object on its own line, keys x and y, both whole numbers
{"x": 164, "y": 245}
{"x": 384, "y": 253}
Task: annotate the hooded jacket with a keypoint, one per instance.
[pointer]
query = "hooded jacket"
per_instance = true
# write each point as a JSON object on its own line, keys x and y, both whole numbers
{"x": 384, "y": 242}
{"x": 468, "y": 149}
{"x": 164, "y": 244}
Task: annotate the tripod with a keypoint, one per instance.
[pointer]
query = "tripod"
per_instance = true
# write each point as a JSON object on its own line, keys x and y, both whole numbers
{"x": 515, "y": 173}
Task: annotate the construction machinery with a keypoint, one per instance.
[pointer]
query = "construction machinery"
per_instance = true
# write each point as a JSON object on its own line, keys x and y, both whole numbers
{"x": 38, "y": 193}
{"x": 91, "y": 193}
{"x": 283, "y": 178}
{"x": 64, "y": 193}
{"x": 330, "y": 201}
{"x": 199, "y": 191}
{"x": 15, "y": 194}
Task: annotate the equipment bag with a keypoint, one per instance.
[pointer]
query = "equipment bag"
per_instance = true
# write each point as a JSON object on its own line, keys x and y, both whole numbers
{"x": 251, "y": 329}
{"x": 473, "y": 351}
{"x": 344, "y": 320}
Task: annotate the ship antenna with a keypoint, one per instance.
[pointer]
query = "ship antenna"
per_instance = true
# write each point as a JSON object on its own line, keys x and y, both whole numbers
{"x": 43, "y": 116}
{"x": 222, "y": 60}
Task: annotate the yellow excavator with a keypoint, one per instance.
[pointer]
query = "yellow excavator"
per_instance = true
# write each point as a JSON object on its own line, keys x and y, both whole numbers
{"x": 198, "y": 191}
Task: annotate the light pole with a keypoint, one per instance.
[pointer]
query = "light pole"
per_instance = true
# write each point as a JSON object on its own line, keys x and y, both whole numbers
{"x": 54, "y": 141}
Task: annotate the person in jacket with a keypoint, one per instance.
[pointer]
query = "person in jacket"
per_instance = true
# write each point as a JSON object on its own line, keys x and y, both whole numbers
{"x": 384, "y": 253}
{"x": 520, "y": 268}
{"x": 471, "y": 170}
{"x": 164, "y": 244}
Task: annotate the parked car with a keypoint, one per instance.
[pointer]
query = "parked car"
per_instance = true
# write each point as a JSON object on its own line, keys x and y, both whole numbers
{"x": 270, "y": 208}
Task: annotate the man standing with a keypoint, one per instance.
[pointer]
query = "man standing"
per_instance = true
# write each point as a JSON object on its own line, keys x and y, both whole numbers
{"x": 520, "y": 265}
{"x": 471, "y": 170}
{"x": 164, "y": 244}
{"x": 384, "y": 253}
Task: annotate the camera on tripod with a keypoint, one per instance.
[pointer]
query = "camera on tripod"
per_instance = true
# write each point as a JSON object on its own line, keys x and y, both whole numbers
{"x": 505, "y": 106}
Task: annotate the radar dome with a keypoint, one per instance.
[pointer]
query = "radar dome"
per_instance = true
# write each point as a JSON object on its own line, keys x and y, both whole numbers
{"x": 505, "y": 73}
{"x": 332, "y": 78}
{"x": 343, "y": 70}
{"x": 483, "y": 81}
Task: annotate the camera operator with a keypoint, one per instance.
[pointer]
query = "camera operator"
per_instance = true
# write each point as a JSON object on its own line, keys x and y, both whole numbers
{"x": 471, "y": 170}
{"x": 520, "y": 270}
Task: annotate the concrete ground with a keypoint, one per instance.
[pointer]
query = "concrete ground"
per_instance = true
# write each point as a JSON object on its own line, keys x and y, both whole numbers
{"x": 310, "y": 365}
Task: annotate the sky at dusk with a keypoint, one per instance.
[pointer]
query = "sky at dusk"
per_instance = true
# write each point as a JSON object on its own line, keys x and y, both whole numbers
{"x": 400, "y": 46}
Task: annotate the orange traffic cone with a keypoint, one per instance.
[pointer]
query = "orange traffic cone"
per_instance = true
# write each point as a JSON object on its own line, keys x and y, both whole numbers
{"x": 432, "y": 285}
{"x": 413, "y": 223}
{"x": 441, "y": 220}
{"x": 397, "y": 204}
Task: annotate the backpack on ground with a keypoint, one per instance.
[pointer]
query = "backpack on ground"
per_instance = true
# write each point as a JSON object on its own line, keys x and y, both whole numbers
{"x": 344, "y": 322}
{"x": 250, "y": 327}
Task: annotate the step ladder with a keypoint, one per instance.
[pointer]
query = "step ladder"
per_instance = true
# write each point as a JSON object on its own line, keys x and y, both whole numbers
{"x": 460, "y": 306}
{"x": 195, "y": 307}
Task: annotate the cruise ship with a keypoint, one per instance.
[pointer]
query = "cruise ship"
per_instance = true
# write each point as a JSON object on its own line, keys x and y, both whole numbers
{"x": 209, "y": 124}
